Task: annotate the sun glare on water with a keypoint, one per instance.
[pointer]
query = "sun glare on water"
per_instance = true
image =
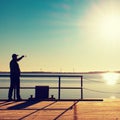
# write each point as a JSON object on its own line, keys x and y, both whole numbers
{"x": 111, "y": 78}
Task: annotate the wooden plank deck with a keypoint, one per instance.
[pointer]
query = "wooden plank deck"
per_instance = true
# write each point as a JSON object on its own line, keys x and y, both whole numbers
{"x": 60, "y": 110}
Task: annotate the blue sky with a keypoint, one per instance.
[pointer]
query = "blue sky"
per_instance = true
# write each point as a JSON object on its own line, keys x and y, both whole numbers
{"x": 58, "y": 35}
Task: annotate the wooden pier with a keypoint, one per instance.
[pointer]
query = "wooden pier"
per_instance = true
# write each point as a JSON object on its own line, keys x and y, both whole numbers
{"x": 60, "y": 110}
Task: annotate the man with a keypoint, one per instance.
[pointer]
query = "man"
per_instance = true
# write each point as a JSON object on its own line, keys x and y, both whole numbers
{"x": 14, "y": 77}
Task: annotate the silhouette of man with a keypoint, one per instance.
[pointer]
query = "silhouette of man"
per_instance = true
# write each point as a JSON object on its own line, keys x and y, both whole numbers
{"x": 14, "y": 77}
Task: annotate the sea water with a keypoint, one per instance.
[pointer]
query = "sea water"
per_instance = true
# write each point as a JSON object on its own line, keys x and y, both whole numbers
{"x": 94, "y": 86}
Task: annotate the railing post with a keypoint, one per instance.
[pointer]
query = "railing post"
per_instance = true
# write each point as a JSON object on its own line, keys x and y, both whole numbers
{"x": 59, "y": 85}
{"x": 81, "y": 87}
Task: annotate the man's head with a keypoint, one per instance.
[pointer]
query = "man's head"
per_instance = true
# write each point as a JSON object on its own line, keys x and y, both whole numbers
{"x": 14, "y": 56}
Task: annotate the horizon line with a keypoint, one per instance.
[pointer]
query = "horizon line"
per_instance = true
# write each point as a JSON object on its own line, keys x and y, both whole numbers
{"x": 102, "y": 71}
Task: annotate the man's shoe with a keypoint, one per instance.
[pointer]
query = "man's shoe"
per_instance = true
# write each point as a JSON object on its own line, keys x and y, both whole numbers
{"x": 10, "y": 99}
{"x": 19, "y": 99}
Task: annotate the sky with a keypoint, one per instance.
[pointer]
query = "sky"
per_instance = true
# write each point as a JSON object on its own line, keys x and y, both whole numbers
{"x": 61, "y": 35}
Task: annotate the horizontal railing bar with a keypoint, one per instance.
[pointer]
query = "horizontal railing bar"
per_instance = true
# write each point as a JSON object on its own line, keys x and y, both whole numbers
{"x": 66, "y": 88}
{"x": 49, "y": 87}
{"x": 4, "y": 87}
{"x": 44, "y": 76}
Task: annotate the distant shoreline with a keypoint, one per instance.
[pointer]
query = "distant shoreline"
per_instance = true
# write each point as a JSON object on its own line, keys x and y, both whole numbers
{"x": 43, "y": 72}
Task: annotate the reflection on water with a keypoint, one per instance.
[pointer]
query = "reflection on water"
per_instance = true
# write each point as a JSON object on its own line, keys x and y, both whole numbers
{"x": 94, "y": 86}
{"x": 97, "y": 86}
{"x": 111, "y": 78}
{"x": 112, "y": 97}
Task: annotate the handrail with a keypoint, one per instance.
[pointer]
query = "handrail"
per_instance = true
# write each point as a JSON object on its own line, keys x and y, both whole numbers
{"x": 49, "y": 87}
{"x": 43, "y": 75}
{"x": 51, "y": 76}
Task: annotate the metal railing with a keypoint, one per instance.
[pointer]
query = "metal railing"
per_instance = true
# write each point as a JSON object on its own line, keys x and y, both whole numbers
{"x": 52, "y": 76}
